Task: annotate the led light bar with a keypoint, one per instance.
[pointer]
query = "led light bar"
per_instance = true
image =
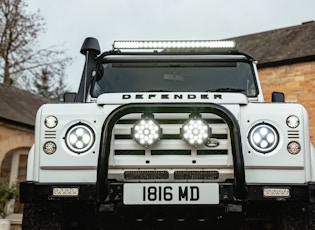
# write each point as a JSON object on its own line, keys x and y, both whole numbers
{"x": 276, "y": 192}
{"x": 66, "y": 192}
{"x": 173, "y": 44}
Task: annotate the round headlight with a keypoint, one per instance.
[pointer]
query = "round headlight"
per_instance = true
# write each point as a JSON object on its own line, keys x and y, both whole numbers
{"x": 146, "y": 131}
{"x": 294, "y": 147}
{"x": 51, "y": 122}
{"x": 79, "y": 138}
{"x": 293, "y": 121}
{"x": 263, "y": 138}
{"x": 195, "y": 131}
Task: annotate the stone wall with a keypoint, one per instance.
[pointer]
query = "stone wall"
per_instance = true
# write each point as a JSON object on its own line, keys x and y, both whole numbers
{"x": 14, "y": 137}
{"x": 297, "y": 81}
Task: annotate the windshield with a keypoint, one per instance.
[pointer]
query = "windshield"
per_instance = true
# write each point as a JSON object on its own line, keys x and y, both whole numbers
{"x": 232, "y": 76}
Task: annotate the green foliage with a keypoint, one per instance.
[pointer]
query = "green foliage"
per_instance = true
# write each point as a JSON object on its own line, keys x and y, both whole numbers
{"x": 7, "y": 193}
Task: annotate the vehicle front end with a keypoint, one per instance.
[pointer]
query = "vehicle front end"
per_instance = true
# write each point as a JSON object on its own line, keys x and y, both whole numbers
{"x": 168, "y": 138}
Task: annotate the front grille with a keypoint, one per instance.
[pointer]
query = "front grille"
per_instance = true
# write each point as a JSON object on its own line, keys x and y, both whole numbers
{"x": 170, "y": 159}
{"x": 171, "y": 142}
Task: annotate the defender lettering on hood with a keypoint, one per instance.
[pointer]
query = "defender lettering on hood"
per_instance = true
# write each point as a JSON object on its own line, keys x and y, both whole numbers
{"x": 121, "y": 98}
{"x": 168, "y": 96}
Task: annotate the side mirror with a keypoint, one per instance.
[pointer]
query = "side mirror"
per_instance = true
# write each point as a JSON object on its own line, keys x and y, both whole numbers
{"x": 277, "y": 97}
{"x": 69, "y": 97}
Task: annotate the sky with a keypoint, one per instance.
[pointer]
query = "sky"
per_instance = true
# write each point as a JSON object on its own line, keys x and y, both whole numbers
{"x": 69, "y": 22}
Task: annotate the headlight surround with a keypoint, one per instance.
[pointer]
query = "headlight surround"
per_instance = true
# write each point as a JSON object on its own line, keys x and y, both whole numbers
{"x": 79, "y": 138}
{"x": 146, "y": 131}
{"x": 263, "y": 138}
{"x": 195, "y": 131}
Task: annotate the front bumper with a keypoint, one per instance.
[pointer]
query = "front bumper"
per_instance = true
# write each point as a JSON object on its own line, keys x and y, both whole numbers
{"x": 32, "y": 192}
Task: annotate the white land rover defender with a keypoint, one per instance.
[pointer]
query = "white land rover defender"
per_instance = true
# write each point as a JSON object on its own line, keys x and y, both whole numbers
{"x": 176, "y": 137}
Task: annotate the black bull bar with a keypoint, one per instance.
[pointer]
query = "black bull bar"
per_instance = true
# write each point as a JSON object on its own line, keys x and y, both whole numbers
{"x": 238, "y": 160}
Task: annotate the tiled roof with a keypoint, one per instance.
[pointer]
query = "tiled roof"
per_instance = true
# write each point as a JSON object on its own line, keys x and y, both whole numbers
{"x": 19, "y": 106}
{"x": 291, "y": 44}
{"x": 276, "y": 47}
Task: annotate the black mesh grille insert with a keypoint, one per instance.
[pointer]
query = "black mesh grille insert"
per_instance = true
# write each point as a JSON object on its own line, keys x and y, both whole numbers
{"x": 196, "y": 175}
{"x": 146, "y": 175}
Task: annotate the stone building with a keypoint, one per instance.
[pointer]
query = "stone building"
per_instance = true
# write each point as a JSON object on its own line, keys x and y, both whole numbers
{"x": 17, "y": 118}
{"x": 286, "y": 63}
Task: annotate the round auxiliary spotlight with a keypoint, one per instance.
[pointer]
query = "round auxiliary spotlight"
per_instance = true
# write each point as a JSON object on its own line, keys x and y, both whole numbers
{"x": 195, "y": 131}
{"x": 146, "y": 131}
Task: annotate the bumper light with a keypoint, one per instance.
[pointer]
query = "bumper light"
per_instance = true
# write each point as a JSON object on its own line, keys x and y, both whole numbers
{"x": 276, "y": 192}
{"x": 146, "y": 131}
{"x": 65, "y": 192}
{"x": 195, "y": 131}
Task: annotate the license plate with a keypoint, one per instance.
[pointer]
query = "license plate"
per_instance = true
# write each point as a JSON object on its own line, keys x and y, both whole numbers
{"x": 171, "y": 193}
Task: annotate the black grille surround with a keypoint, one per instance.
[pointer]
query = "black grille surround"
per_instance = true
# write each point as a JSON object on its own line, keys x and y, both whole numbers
{"x": 151, "y": 108}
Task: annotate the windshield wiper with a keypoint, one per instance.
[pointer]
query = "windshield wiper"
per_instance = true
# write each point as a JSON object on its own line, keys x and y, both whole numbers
{"x": 232, "y": 90}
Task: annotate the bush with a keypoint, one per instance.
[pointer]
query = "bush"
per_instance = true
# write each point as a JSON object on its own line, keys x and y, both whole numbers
{"x": 7, "y": 193}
